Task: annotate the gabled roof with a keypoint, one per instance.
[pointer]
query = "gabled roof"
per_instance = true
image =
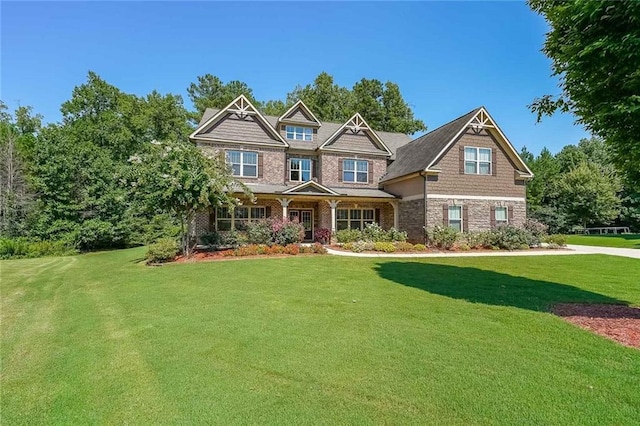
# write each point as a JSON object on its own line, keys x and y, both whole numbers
{"x": 241, "y": 106}
{"x": 356, "y": 124}
{"x": 421, "y": 154}
{"x": 310, "y": 184}
{"x": 392, "y": 140}
{"x": 299, "y": 106}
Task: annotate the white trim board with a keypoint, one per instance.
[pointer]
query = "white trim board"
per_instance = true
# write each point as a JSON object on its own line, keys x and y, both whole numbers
{"x": 462, "y": 197}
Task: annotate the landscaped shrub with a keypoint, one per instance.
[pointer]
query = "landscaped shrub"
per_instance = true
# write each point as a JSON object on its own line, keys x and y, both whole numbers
{"x": 537, "y": 229}
{"x": 386, "y": 247}
{"x": 348, "y": 246}
{"x": 348, "y": 235}
{"x": 360, "y": 246}
{"x": 512, "y": 238}
{"x": 293, "y": 249}
{"x": 374, "y": 232}
{"x": 419, "y": 247}
{"x": 232, "y": 238}
{"x": 404, "y": 246}
{"x": 163, "y": 250}
{"x": 395, "y": 235}
{"x": 443, "y": 237}
{"x": 260, "y": 232}
{"x": 286, "y": 232}
{"x": 211, "y": 239}
{"x": 322, "y": 235}
{"x": 464, "y": 247}
{"x": 13, "y": 247}
{"x": 556, "y": 240}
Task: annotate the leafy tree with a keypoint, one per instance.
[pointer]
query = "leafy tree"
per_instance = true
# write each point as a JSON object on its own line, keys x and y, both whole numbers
{"x": 176, "y": 177}
{"x": 211, "y": 92}
{"x": 594, "y": 47}
{"x": 275, "y": 107}
{"x": 588, "y": 196}
{"x": 327, "y": 100}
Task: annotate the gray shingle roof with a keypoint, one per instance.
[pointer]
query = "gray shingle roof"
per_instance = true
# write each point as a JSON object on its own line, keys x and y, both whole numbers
{"x": 262, "y": 188}
{"x": 392, "y": 140}
{"x": 419, "y": 153}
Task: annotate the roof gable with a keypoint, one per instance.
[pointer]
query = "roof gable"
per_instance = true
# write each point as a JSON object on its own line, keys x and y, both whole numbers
{"x": 239, "y": 121}
{"x": 310, "y": 186}
{"x": 299, "y": 113}
{"x": 423, "y": 153}
{"x": 355, "y": 135}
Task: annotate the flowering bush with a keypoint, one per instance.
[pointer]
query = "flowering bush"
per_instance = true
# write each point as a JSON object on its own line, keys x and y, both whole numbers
{"x": 286, "y": 232}
{"x": 260, "y": 232}
{"x": 443, "y": 237}
{"x": 322, "y": 235}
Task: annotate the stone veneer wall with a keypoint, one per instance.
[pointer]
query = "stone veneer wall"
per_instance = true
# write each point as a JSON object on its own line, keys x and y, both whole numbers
{"x": 411, "y": 219}
{"x": 479, "y": 212}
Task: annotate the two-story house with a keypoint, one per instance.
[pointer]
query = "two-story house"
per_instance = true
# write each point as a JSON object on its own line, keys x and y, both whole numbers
{"x": 464, "y": 174}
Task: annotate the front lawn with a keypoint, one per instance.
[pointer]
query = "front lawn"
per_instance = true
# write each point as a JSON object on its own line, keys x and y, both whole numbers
{"x": 611, "y": 240}
{"x": 100, "y": 338}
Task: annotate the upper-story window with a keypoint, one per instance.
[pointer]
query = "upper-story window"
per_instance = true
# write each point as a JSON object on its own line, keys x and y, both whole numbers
{"x": 477, "y": 161}
{"x": 299, "y": 169}
{"x": 355, "y": 171}
{"x": 243, "y": 163}
{"x": 299, "y": 133}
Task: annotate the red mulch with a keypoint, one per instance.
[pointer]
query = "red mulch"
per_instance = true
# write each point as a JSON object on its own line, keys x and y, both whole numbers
{"x": 617, "y": 322}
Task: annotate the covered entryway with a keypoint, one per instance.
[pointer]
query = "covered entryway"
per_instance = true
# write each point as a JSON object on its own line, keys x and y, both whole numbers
{"x": 305, "y": 217}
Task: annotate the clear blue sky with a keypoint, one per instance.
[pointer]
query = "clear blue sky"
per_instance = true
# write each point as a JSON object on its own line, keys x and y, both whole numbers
{"x": 447, "y": 58}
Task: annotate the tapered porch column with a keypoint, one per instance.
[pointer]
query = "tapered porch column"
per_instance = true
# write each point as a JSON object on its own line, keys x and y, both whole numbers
{"x": 395, "y": 206}
{"x": 284, "y": 202}
{"x": 333, "y": 204}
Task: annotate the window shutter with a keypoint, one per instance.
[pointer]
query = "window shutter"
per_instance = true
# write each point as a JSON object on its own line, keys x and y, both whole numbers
{"x": 267, "y": 211}
{"x": 492, "y": 218}
{"x": 510, "y": 214}
{"x": 376, "y": 218}
{"x": 260, "y": 165}
{"x": 314, "y": 169}
{"x": 370, "y": 171}
{"x": 461, "y": 159}
{"x": 445, "y": 214}
{"x": 287, "y": 168}
{"x": 212, "y": 219}
{"x": 340, "y": 165}
{"x": 465, "y": 218}
{"x": 494, "y": 159}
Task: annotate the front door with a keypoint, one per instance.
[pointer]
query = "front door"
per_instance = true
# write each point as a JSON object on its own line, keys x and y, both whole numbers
{"x": 305, "y": 217}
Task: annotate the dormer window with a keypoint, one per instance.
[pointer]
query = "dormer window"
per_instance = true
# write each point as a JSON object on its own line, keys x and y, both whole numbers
{"x": 299, "y": 133}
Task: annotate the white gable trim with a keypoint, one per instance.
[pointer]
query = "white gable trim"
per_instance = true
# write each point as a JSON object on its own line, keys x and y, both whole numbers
{"x": 300, "y": 105}
{"x": 356, "y": 124}
{"x": 240, "y": 105}
{"x": 310, "y": 183}
{"x": 481, "y": 120}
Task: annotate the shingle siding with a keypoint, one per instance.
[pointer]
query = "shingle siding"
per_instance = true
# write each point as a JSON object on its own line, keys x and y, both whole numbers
{"x": 360, "y": 141}
{"x": 247, "y": 129}
{"x": 330, "y": 170}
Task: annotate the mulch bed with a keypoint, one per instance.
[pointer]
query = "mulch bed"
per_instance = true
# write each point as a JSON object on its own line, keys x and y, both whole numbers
{"x": 453, "y": 250}
{"x": 206, "y": 256}
{"x": 617, "y": 322}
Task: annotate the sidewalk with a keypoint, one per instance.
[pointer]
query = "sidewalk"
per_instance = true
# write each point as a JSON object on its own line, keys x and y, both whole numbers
{"x": 571, "y": 250}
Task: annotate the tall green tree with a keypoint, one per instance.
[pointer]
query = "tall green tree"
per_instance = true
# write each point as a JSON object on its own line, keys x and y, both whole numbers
{"x": 327, "y": 100}
{"x": 594, "y": 47}
{"x": 211, "y": 92}
{"x": 589, "y": 196}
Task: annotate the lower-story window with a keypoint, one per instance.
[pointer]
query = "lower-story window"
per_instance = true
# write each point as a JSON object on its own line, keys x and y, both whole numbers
{"x": 354, "y": 218}
{"x": 455, "y": 217}
{"x": 502, "y": 217}
{"x": 241, "y": 216}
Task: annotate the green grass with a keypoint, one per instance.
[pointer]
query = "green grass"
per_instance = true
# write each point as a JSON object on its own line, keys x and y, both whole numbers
{"x": 615, "y": 240}
{"x": 99, "y": 338}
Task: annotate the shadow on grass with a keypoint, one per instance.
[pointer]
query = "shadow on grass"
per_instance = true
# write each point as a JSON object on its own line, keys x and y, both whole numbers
{"x": 488, "y": 287}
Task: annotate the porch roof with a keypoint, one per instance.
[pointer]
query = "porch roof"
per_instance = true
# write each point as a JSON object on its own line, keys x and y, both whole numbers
{"x": 263, "y": 188}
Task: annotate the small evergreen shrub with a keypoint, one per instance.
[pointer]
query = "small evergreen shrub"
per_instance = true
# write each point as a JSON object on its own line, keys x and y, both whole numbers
{"x": 374, "y": 232}
{"x": 211, "y": 239}
{"x": 163, "y": 250}
{"x": 556, "y": 240}
{"x": 443, "y": 237}
{"x": 464, "y": 247}
{"x": 348, "y": 246}
{"x": 419, "y": 247}
{"x": 395, "y": 235}
{"x": 360, "y": 246}
{"x": 512, "y": 238}
{"x": 260, "y": 232}
{"x": 404, "y": 246}
{"x": 322, "y": 235}
{"x": 16, "y": 248}
{"x": 348, "y": 236}
{"x": 386, "y": 247}
{"x": 537, "y": 229}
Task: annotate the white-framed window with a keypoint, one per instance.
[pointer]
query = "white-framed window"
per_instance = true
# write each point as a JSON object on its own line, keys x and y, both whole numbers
{"x": 455, "y": 218}
{"x": 241, "y": 216}
{"x": 477, "y": 161}
{"x": 354, "y": 218}
{"x": 355, "y": 171}
{"x": 502, "y": 216}
{"x": 299, "y": 169}
{"x": 243, "y": 163}
{"x": 299, "y": 133}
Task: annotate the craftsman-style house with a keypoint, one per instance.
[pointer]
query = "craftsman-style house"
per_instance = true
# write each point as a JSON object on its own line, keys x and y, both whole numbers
{"x": 465, "y": 174}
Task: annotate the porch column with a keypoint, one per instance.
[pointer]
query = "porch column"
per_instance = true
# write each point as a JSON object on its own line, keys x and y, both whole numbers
{"x": 284, "y": 202}
{"x": 333, "y": 204}
{"x": 395, "y": 206}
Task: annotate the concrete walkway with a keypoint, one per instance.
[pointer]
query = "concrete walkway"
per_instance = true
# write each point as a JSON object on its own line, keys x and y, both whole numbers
{"x": 571, "y": 250}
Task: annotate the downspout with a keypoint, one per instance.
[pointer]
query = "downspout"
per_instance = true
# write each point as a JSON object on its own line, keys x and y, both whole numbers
{"x": 424, "y": 210}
